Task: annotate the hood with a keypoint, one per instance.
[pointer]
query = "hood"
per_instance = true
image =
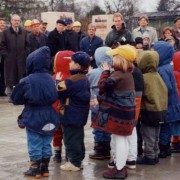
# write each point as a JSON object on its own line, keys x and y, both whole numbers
{"x": 165, "y": 51}
{"x": 148, "y": 61}
{"x": 101, "y": 56}
{"x": 176, "y": 61}
{"x": 38, "y": 61}
{"x": 61, "y": 62}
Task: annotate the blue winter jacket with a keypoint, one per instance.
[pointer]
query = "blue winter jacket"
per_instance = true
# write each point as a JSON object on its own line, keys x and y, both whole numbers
{"x": 165, "y": 69}
{"x": 37, "y": 92}
{"x": 75, "y": 90}
{"x": 95, "y": 74}
{"x": 90, "y": 45}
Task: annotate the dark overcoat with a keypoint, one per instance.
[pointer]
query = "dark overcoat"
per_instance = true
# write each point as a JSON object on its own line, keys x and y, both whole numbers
{"x": 15, "y": 48}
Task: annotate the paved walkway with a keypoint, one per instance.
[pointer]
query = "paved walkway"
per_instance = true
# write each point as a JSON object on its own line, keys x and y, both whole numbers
{"x": 14, "y": 157}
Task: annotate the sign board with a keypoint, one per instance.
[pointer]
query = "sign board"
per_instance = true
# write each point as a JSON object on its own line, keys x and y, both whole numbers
{"x": 52, "y": 17}
{"x": 103, "y": 24}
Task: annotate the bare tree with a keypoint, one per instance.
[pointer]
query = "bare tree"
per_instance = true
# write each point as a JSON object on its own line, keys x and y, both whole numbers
{"x": 61, "y": 5}
{"x": 168, "y": 5}
{"x": 126, "y": 7}
{"x": 25, "y": 8}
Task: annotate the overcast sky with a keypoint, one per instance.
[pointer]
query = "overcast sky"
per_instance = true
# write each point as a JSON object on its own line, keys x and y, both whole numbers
{"x": 148, "y": 5}
{"x": 145, "y": 5}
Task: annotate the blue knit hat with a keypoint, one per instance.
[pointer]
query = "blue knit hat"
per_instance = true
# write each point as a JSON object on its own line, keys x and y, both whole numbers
{"x": 68, "y": 21}
{"x": 81, "y": 58}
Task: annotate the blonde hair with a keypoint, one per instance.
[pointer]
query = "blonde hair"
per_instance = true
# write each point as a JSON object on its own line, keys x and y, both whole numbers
{"x": 120, "y": 63}
{"x": 91, "y": 26}
{"x": 118, "y": 15}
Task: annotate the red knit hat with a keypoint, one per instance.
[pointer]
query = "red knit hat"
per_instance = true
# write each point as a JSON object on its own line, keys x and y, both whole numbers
{"x": 61, "y": 64}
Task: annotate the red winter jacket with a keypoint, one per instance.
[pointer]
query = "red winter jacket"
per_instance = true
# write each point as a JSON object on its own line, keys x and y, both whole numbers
{"x": 176, "y": 62}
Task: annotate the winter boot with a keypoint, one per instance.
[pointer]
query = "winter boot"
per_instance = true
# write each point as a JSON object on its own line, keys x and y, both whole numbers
{"x": 168, "y": 149}
{"x": 34, "y": 170}
{"x": 114, "y": 173}
{"x": 98, "y": 151}
{"x": 175, "y": 147}
{"x": 57, "y": 156}
{"x": 140, "y": 148}
{"x": 44, "y": 167}
{"x": 146, "y": 161}
{"x": 163, "y": 151}
{"x": 107, "y": 150}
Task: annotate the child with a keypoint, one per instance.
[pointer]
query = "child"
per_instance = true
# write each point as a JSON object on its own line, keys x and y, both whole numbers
{"x": 175, "y": 147}
{"x": 101, "y": 138}
{"x": 133, "y": 140}
{"x": 117, "y": 108}
{"x": 153, "y": 106}
{"x": 76, "y": 91}
{"x": 165, "y": 69}
{"x": 61, "y": 65}
{"x": 139, "y": 43}
{"x": 38, "y": 92}
{"x": 146, "y": 41}
{"x": 170, "y": 40}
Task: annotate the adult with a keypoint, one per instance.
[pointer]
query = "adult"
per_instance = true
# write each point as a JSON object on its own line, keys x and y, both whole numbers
{"x": 72, "y": 36}
{"x": 166, "y": 32}
{"x": 56, "y": 38}
{"x": 2, "y": 24}
{"x": 43, "y": 27}
{"x": 77, "y": 28}
{"x": 177, "y": 33}
{"x": 145, "y": 29}
{"x": 119, "y": 34}
{"x": 90, "y": 43}
{"x": 14, "y": 47}
{"x": 168, "y": 35}
{"x": 37, "y": 39}
{"x": 27, "y": 25}
{"x": 2, "y": 83}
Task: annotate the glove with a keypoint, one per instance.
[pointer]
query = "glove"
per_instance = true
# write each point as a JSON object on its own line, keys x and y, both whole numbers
{"x": 58, "y": 76}
{"x": 19, "y": 124}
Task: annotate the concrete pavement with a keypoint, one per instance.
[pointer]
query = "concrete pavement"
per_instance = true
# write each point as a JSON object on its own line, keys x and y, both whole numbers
{"x": 14, "y": 156}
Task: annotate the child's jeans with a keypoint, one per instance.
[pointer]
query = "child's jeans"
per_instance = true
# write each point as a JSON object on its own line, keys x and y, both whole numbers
{"x": 74, "y": 144}
{"x": 99, "y": 135}
{"x": 39, "y": 146}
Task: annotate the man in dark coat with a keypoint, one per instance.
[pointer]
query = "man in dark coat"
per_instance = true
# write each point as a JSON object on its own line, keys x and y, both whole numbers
{"x": 90, "y": 43}
{"x": 72, "y": 42}
{"x": 56, "y": 38}
{"x": 77, "y": 29}
{"x": 37, "y": 39}
{"x": 177, "y": 33}
{"x": 14, "y": 47}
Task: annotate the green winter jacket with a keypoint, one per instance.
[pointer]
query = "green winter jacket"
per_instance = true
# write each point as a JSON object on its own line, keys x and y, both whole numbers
{"x": 155, "y": 95}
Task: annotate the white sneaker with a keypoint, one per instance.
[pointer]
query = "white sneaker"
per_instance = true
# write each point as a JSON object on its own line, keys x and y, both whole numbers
{"x": 68, "y": 166}
{"x": 8, "y": 91}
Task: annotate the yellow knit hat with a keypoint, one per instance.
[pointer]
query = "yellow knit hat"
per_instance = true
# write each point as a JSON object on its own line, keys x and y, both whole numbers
{"x": 126, "y": 51}
{"x": 27, "y": 23}
{"x": 76, "y": 24}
